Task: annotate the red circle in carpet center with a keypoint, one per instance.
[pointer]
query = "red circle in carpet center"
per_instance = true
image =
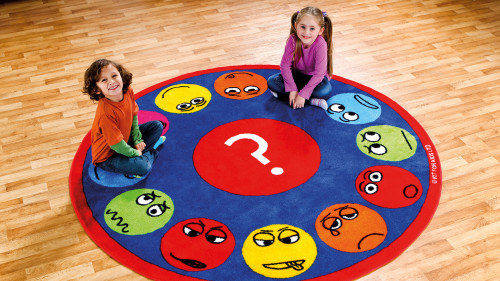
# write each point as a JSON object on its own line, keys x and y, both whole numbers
{"x": 256, "y": 157}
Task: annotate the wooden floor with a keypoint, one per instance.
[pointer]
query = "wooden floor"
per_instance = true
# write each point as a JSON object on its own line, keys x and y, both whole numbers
{"x": 438, "y": 59}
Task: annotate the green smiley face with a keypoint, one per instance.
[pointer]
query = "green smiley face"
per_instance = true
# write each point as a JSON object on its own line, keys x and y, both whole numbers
{"x": 139, "y": 211}
{"x": 386, "y": 143}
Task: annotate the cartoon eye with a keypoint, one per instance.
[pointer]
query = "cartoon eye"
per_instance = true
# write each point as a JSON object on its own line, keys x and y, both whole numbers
{"x": 332, "y": 223}
{"x": 232, "y": 91}
{"x": 351, "y": 116}
{"x": 375, "y": 176}
{"x": 263, "y": 239}
{"x": 251, "y": 89}
{"x": 371, "y": 188}
{"x": 156, "y": 210}
{"x": 336, "y": 108}
{"x": 378, "y": 149}
{"x": 289, "y": 236}
{"x": 183, "y": 106}
{"x": 199, "y": 100}
{"x": 146, "y": 198}
{"x": 372, "y": 136}
{"x": 216, "y": 236}
{"x": 193, "y": 229}
{"x": 348, "y": 213}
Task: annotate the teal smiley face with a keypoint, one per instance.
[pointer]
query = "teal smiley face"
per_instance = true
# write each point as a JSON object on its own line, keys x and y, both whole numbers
{"x": 139, "y": 211}
{"x": 386, "y": 143}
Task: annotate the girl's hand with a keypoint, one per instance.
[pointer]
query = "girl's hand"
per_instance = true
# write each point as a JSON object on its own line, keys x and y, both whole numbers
{"x": 293, "y": 95}
{"x": 140, "y": 152}
{"x": 140, "y": 146}
{"x": 299, "y": 102}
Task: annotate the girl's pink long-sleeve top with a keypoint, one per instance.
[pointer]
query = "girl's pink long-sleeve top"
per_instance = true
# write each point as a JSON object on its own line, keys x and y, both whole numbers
{"x": 314, "y": 62}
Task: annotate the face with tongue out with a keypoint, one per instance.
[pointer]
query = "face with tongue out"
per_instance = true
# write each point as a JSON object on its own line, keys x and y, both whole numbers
{"x": 279, "y": 251}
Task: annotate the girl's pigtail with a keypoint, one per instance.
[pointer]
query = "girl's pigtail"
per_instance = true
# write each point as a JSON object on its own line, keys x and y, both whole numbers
{"x": 327, "y": 34}
{"x": 297, "y": 53}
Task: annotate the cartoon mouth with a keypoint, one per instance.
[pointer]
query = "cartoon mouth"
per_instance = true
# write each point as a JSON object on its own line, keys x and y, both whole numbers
{"x": 190, "y": 263}
{"x": 296, "y": 265}
{"x": 119, "y": 220}
{"x": 406, "y": 139}
{"x": 410, "y": 191}
{"x": 367, "y": 236}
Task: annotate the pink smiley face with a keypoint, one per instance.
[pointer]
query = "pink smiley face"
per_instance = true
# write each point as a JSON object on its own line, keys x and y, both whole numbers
{"x": 389, "y": 186}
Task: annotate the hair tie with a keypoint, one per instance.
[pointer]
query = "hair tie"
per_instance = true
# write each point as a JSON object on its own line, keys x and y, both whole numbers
{"x": 324, "y": 14}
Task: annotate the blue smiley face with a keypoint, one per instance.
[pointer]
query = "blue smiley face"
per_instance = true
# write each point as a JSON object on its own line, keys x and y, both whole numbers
{"x": 351, "y": 108}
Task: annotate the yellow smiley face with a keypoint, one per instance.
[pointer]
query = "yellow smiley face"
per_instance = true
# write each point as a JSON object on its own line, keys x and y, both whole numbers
{"x": 279, "y": 251}
{"x": 183, "y": 98}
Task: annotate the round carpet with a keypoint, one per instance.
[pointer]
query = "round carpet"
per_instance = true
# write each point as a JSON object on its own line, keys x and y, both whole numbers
{"x": 246, "y": 188}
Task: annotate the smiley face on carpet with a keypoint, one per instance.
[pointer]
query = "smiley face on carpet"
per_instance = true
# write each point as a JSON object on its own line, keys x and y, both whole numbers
{"x": 389, "y": 186}
{"x": 387, "y": 143}
{"x": 139, "y": 211}
{"x": 197, "y": 244}
{"x": 279, "y": 251}
{"x": 183, "y": 98}
{"x": 240, "y": 85}
{"x": 351, "y": 228}
{"x": 350, "y": 108}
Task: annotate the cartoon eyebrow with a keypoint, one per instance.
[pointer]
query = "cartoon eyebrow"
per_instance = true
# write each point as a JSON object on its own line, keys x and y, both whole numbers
{"x": 163, "y": 95}
{"x": 284, "y": 228}
{"x": 364, "y": 102}
{"x": 266, "y": 231}
{"x": 164, "y": 205}
{"x": 406, "y": 140}
{"x": 323, "y": 220}
{"x": 232, "y": 74}
{"x": 342, "y": 208}
{"x": 201, "y": 223}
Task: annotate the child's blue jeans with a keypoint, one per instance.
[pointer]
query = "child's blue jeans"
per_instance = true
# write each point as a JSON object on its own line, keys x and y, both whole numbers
{"x": 140, "y": 166}
{"x": 276, "y": 84}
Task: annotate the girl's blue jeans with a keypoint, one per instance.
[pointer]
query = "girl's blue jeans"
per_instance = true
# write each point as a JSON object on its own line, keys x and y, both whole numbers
{"x": 276, "y": 84}
{"x": 141, "y": 165}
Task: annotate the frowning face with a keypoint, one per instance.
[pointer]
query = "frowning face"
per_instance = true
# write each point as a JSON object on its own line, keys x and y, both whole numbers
{"x": 197, "y": 244}
{"x": 351, "y": 228}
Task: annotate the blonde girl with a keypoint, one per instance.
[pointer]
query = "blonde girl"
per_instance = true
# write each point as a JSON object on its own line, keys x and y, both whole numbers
{"x": 306, "y": 65}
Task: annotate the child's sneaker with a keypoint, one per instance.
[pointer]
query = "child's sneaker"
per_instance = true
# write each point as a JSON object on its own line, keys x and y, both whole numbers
{"x": 160, "y": 141}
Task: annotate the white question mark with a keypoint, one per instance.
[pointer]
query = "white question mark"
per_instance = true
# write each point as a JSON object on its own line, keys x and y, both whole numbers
{"x": 259, "y": 153}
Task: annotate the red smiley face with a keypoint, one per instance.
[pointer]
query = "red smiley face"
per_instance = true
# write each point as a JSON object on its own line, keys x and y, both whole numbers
{"x": 389, "y": 186}
{"x": 197, "y": 244}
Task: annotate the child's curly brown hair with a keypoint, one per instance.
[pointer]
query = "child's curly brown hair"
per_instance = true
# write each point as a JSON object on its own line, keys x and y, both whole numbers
{"x": 93, "y": 73}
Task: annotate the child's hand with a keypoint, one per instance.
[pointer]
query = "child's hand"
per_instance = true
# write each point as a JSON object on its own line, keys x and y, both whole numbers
{"x": 140, "y": 152}
{"x": 140, "y": 146}
{"x": 293, "y": 95}
{"x": 299, "y": 102}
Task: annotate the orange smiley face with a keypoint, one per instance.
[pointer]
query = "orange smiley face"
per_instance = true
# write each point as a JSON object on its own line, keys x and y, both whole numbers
{"x": 240, "y": 85}
{"x": 351, "y": 228}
